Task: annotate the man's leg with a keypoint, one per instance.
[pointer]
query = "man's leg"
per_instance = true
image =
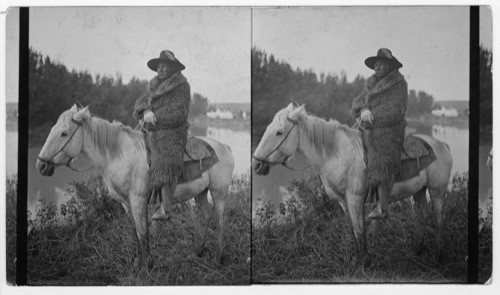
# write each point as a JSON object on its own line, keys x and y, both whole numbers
{"x": 164, "y": 211}
{"x": 384, "y": 193}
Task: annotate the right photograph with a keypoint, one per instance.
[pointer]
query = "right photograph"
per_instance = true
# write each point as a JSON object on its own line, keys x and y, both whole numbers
{"x": 360, "y": 136}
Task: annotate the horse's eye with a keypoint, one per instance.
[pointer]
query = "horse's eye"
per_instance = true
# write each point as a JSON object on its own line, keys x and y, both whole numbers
{"x": 279, "y": 133}
{"x": 64, "y": 134}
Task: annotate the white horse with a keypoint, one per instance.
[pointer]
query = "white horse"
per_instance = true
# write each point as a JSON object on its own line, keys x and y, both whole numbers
{"x": 338, "y": 153}
{"x": 119, "y": 154}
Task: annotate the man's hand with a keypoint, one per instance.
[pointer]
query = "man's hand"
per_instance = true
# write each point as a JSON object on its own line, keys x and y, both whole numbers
{"x": 367, "y": 116}
{"x": 149, "y": 117}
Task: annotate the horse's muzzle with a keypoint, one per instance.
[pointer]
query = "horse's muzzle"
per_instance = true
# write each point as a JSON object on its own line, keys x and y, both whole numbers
{"x": 44, "y": 168}
{"x": 261, "y": 168}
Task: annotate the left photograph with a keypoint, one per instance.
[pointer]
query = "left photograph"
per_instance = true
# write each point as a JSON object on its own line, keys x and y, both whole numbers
{"x": 139, "y": 146}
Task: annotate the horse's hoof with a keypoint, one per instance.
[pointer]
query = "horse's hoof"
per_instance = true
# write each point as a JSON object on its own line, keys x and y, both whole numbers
{"x": 417, "y": 249}
{"x": 356, "y": 271}
{"x": 221, "y": 259}
{"x": 199, "y": 250}
{"x": 149, "y": 263}
{"x": 137, "y": 266}
{"x": 368, "y": 262}
{"x": 438, "y": 255}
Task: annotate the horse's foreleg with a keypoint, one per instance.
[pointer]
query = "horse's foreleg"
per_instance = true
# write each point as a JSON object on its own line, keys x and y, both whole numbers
{"x": 220, "y": 197}
{"x": 202, "y": 216}
{"x": 139, "y": 208}
{"x": 356, "y": 209}
{"x": 438, "y": 197}
{"x": 422, "y": 216}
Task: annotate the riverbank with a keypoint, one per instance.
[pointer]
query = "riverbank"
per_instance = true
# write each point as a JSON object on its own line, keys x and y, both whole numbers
{"x": 313, "y": 231}
{"x": 88, "y": 240}
{"x": 38, "y": 135}
{"x": 428, "y": 120}
{"x": 11, "y": 125}
{"x": 234, "y": 124}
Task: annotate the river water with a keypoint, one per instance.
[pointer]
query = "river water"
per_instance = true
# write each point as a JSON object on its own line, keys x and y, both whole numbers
{"x": 267, "y": 187}
{"x": 52, "y": 188}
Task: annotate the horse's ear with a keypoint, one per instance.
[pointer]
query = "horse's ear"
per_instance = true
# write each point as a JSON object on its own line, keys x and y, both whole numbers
{"x": 295, "y": 113}
{"x": 82, "y": 114}
{"x": 74, "y": 108}
{"x": 290, "y": 107}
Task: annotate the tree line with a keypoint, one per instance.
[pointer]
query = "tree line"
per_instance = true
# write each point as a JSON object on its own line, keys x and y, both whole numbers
{"x": 485, "y": 88}
{"x": 275, "y": 84}
{"x": 54, "y": 89}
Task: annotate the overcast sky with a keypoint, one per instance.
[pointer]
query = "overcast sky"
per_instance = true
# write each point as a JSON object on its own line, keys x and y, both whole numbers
{"x": 431, "y": 42}
{"x": 213, "y": 43}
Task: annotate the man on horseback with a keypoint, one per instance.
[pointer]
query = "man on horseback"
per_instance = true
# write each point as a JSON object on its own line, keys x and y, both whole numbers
{"x": 380, "y": 110}
{"x": 164, "y": 109}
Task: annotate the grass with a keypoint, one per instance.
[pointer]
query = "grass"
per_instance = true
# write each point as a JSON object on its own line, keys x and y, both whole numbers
{"x": 89, "y": 241}
{"x": 314, "y": 244}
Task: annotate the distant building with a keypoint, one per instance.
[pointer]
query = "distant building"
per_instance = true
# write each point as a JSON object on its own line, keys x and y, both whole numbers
{"x": 445, "y": 112}
{"x": 219, "y": 114}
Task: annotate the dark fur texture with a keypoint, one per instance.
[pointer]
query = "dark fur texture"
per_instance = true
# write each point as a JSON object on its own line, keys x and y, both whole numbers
{"x": 386, "y": 98}
{"x": 169, "y": 101}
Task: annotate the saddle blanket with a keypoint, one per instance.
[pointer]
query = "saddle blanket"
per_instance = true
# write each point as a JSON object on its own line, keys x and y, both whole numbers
{"x": 199, "y": 156}
{"x": 416, "y": 155}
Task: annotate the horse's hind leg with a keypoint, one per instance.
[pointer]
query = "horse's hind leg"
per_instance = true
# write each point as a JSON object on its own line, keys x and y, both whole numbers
{"x": 219, "y": 197}
{"x": 438, "y": 197}
{"x": 356, "y": 209}
{"x": 422, "y": 216}
{"x": 139, "y": 208}
{"x": 202, "y": 216}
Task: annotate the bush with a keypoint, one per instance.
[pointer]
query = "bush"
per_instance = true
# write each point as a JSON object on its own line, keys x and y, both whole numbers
{"x": 485, "y": 242}
{"x": 90, "y": 241}
{"x": 11, "y": 233}
{"x": 306, "y": 238}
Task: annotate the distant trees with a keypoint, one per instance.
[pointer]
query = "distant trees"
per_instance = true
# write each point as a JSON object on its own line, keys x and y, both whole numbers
{"x": 53, "y": 89}
{"x": 199, "y": 105}
{"x": 419, "y": 103}
{"x": 275, "y": 84}
{"x": 485, "y": 88}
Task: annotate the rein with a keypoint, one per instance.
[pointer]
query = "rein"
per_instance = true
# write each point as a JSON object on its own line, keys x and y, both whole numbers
{"x": 285, "y": 161}
{"x": 67, "y": 164}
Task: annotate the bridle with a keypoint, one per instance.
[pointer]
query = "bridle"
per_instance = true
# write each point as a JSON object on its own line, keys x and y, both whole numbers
{"x": 67, "y": 164}
{"x": 285, "y": 160}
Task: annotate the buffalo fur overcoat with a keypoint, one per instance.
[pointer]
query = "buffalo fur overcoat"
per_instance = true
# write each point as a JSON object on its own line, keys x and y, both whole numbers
{"x": 386, "y": 98}
{"x": 169, "y": 101}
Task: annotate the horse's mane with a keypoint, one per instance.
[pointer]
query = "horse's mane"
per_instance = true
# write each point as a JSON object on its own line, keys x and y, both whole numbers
{"x": 105, "y": 135}
{"x": 321, "y": 133}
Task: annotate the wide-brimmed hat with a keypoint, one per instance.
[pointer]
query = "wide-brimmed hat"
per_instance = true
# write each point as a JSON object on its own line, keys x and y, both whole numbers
{"x": 386, "y": 55}
{"x": 168, "y": 57}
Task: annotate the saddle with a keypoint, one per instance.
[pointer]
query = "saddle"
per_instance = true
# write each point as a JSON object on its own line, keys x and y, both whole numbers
{"x": 416, "y": 155}
{"x": 199, "y": 156}
{"x": 414, "y": 147}
{"x": 196, "y": 149}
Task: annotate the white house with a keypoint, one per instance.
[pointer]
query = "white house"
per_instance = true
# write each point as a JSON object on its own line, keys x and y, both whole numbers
{"x": 445, "y": 112}
{"x": 219, "y": 114}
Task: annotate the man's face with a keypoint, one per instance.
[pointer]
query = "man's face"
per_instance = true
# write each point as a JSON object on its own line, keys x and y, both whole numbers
{"x": 381, "y": 68}
{"x": 163, "y": 69}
